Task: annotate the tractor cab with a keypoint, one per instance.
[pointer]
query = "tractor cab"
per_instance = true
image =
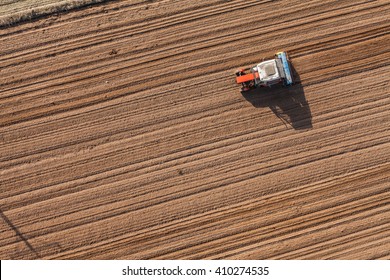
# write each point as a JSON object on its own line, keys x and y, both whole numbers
{"x": 269, "y": 74}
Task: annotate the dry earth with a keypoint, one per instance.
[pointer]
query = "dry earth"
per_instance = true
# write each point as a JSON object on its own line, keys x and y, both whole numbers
{"x": 14, "y": 11}
{"x": 123, "y": 135}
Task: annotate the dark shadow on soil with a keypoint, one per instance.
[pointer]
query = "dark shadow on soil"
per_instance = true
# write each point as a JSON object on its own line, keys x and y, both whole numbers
{"x": 287, "y": 103}
{"x": 18, "y": 233}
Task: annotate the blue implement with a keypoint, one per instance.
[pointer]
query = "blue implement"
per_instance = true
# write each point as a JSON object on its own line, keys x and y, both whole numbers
{"x": 286, "y": 67}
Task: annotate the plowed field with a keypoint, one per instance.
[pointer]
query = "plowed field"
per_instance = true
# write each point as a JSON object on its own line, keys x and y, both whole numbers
{"x": 124, "y": 136}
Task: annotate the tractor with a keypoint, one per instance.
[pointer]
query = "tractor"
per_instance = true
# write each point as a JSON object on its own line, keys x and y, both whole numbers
{"x": 266, "y": 74}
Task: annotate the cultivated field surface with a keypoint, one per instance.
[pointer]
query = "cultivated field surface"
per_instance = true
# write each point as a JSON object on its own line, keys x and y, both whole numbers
{"x": 124, "y": 136}
{"x": 14, "y": 11}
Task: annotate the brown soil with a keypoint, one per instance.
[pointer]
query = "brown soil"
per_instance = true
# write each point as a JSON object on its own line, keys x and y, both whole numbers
{"x": 15, "y": 11}
{"x": 124, "y": 136}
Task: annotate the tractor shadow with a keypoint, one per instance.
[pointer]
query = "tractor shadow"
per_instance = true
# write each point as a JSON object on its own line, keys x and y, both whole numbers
{"x": 287, "y": 103}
